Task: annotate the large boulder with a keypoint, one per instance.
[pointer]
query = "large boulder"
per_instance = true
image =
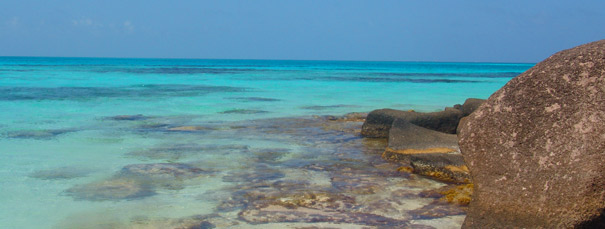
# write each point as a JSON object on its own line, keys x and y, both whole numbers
{"x": 379, "y": 122}
{"x": 536, "y": 149}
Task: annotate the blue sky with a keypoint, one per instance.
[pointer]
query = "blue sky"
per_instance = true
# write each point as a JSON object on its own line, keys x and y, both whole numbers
{"x": 418, "y": 30}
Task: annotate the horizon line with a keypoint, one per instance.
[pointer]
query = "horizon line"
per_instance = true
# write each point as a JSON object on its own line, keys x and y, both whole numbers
{"x": 259, "y": 59}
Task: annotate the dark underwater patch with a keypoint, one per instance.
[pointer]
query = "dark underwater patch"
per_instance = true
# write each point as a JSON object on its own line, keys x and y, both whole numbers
{"x": 327, "y": 107}
{"x": 60, "y": 173}
{"x": 244, "y": 111}
{"x": 179, "y": 151}
{"x": 392, "y": 79}
{"x": 135, "y": 91}
{"x": 37, "y": 134}
{"x": 137, "y": 117}
{"x": 177, "y": 70}
{"x": 254, "y": 99}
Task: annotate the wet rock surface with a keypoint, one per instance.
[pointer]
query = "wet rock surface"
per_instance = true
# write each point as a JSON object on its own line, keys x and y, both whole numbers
{"x": 535, "y": 148}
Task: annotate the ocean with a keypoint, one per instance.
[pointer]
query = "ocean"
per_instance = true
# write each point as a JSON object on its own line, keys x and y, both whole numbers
{"x": 160, "y": 143}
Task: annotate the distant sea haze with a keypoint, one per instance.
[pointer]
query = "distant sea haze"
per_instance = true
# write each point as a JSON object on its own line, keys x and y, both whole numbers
{"x": 135, "y": 142}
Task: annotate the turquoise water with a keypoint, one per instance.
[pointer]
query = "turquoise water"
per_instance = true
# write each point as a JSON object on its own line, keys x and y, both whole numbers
{"x": 76, "y": 135}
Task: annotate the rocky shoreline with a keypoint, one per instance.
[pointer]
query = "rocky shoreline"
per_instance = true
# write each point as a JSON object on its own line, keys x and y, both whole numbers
{"x": 426, "y": 144}
{"x": 531, "y": 155}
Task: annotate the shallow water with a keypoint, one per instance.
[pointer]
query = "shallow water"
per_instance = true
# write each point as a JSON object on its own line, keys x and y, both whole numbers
{"x": 156, "y": 143}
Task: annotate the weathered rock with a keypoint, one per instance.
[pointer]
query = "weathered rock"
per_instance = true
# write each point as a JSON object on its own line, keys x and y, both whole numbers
{"x": 535, "y": 148}
{"x": 379, "y": 122}
{"x": 470, "y": 105}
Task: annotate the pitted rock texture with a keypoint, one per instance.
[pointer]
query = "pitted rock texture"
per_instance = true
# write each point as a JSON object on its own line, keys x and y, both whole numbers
{"x": 536, "y": 148}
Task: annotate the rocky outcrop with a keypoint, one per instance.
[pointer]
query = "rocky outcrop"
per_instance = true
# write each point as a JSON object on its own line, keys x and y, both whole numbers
{"x": 379, "y": 122}
{"x": 426, "y": 152}
{"x": 535, "y": 148}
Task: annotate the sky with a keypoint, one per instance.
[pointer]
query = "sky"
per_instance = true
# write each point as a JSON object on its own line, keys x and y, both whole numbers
{"x": 374, "y": 30}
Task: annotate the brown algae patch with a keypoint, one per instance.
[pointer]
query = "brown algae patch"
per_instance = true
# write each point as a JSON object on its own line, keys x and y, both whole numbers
{"x": 460, "y": 194}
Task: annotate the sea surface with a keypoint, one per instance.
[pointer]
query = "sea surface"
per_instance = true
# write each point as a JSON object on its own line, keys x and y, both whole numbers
{"x": 160, "y": 143}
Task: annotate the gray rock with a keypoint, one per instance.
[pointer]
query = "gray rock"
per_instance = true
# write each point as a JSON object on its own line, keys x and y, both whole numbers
{"x": 535, "y": 148}
{"x": 405, "y": 135}
{"x": 379, "y": 122}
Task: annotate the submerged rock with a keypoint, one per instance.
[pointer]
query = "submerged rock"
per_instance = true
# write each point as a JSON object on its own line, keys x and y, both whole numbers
{"x": 311, "y": 207}
{"x": 437, "y": 209}
{"x": 190, "y": 128}
{"x": 162, "y": 170}
{"x": 277, "y": 213}
{"x": 38, "y": 134}
{"x": 137, "y": 181}
{"x": 112, "y": 189}
{"x": 244, "y": 111}
{"x": 255, "y": 99}
{"x": 179, "y": 151}
{"x": 129, "y": 117}
{"x": 535, "y": 148}
{"x": 192, "y": 222}
{"x": 254, "y": 175}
